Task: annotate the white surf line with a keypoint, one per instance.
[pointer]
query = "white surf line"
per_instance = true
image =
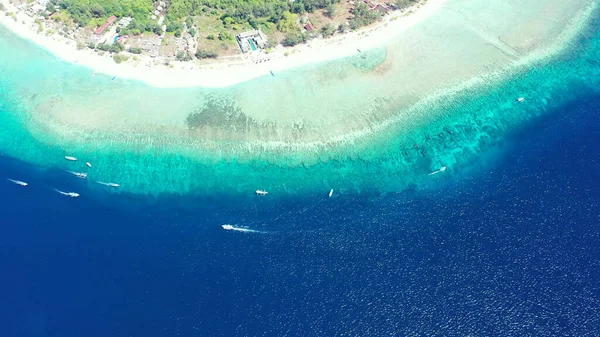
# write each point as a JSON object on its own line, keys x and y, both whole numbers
{"x": 68, "y": 194}
{"x": 229, "y": 227}
{"x": 18, "y": 182}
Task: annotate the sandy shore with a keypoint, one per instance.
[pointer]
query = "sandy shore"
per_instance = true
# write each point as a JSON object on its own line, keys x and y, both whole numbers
{"x": 463, "y": 45}
{"x": 221, "y": 73}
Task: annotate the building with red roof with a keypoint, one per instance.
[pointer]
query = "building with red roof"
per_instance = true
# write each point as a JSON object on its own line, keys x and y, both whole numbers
{"x": 108, "y": 22}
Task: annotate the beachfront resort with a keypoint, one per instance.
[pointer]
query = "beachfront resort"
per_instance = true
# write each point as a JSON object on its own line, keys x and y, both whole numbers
{"x": 189, "y": 31}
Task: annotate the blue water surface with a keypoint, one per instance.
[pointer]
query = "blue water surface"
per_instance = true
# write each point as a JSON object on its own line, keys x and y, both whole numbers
{"x": 510, "y": 247}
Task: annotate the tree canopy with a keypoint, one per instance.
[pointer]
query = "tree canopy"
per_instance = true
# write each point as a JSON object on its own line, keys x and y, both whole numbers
{"x": 83, "y": 11}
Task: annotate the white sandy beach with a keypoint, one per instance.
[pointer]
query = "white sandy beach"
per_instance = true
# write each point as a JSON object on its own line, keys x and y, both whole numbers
{"x": 221, "y": 73}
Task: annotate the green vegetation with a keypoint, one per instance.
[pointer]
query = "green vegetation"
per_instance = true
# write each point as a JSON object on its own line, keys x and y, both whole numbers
{"x": 135, "y": 50}
{"x": 243, "y": 11}
{"x": 363, "y": 16}
{"x": 39, "y": 25}
{"x": 215, "y": 20}
{"x": 113, "y": 48}
{"x": 225, "y": 36}
{"x": 327, "y": 30}
{"x": 118, "y": 58}
{"x": 137, "y": 27}
{"x": 330, "y": 11}
{"x": 293, "y": 39}
{"x": 183, "y": 56}
{"x": 83, "y": 11}
{"x": 401, "y": 4}
{"x": 287, "y": 23}
{"x": 205, "y": 54}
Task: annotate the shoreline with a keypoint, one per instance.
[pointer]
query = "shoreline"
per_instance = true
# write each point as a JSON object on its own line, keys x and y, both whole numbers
{"x": 220, "y": 73}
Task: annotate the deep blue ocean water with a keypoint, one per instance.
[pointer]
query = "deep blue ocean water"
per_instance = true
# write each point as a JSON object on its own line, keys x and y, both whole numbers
{"x": 510, "y": 247}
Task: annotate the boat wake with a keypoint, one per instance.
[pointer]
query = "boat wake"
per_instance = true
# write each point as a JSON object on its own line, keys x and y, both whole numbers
{"x": 68, "y": 194}
{"x": 18, "y": 182}
{"x": 108, "y": 184}
{"x": 442, "y": 169}
{"x": 79, "y": 174}
{"x": 229, "y": 227}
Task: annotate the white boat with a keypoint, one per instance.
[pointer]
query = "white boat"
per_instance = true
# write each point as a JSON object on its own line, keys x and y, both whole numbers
{"x": 520, "y": 99}
{"x": 18, "y": 182}
{"x": 331, "y": 192}
{"x": 88, "y": 164}
{"x": 68, "y": 194}
{"x": 79, "y": 174}
{"x": 261, "y": 192}
{"x": 70, "y": 158}
{"x": 442, "y": 169}
{"x": 229, "y": 227}
{"x": 95, "y": 72}
{"x": 108, "y": 184}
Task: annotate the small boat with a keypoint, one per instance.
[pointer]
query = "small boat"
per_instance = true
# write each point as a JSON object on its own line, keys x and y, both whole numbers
{"x": 79, "y": 174}
{"x": 442, "y": 169}
{"x": 95, "y": 72}
{"x": 359, "y": 50}
{"x": 88, "y": 164}
{"x": 272, "y": 73}
{"x": 520, "y": 99}
{"x": 69, "y": 158}
{"x": 261, "y": 192}
{"x": 113, "y": 79}
{"x": 331, "y": 192}
{"x": 229, "y": 227}
{"x": 68, "y": 194}
{"x": 108, "y": 184}
{"x": 18, "y": 182}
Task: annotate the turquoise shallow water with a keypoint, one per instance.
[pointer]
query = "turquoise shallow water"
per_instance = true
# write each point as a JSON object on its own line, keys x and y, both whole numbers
{"x": 454, "y": 131}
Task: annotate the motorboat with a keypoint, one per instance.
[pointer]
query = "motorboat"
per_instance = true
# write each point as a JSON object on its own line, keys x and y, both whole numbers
{"x": 18, "y": 182}
{"x": 261, "y": 192}
{"x": 79, "y": 174}
{"x": 227, "y": 227}
{"x": 520, "y": 99}
{"x": 331, "y": 192}
{"x": 88, "y": 164}
{"x": 442, "y": 169}
{"x": 69, "y": 158}
{"x": 68, "y": 194}
{"x": 108, "y": 184}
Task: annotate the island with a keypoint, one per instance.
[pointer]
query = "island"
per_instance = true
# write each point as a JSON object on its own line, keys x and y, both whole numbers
{"x": 200, "y": 34}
